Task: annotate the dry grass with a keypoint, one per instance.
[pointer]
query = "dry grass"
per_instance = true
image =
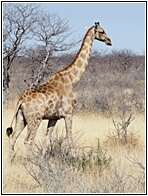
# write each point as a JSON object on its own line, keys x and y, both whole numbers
{"x": 125, "y": 173}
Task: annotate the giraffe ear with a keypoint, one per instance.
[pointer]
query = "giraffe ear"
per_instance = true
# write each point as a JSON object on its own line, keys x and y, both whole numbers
{"x": 86, "y": 28}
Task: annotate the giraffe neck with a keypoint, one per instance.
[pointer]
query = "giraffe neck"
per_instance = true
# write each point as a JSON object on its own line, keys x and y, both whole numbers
{"x": 75, "y": 70}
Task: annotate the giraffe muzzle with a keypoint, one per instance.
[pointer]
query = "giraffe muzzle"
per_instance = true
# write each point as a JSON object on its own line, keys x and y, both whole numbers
{"x": 108, "y": 42}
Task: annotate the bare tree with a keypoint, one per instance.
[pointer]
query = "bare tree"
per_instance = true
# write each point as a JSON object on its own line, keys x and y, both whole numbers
{"x": 48, "y": 32}
{"x": 51, "y": 33}
{"x": 18, "y": 18}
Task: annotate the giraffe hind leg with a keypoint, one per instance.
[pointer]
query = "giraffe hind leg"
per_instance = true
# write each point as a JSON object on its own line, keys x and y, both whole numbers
{"x": 31, "y": 132}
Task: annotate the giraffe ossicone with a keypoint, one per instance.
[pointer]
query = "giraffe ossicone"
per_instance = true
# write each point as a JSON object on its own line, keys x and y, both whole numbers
{"x": 54, "y": 99}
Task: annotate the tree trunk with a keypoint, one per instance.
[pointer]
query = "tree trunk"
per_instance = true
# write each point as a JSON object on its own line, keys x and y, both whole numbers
{"x": 6, "y": 81}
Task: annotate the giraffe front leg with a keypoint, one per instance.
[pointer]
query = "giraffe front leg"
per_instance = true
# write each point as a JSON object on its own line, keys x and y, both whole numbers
{"x": 48, "y": 140}
{"x": 68, "y": 123}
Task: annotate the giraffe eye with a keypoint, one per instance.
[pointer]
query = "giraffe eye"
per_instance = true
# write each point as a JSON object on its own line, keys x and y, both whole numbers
{"x": 102, "y": 32}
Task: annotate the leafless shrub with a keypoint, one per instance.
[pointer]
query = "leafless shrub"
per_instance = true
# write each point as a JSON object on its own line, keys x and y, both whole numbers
{"x": 63, "y": 172}
{"x": 113, "y": 141}
{"x": 121, "y": 181}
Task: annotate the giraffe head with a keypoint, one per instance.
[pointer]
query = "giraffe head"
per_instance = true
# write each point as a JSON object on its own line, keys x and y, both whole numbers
{"x": 101, "y": 35}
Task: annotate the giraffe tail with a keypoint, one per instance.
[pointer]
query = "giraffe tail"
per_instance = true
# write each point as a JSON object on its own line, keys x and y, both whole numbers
{"x": 9, "y": 130}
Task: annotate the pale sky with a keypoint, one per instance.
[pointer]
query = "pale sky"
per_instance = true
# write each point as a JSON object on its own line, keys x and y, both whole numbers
{"x": 123, "y": 22}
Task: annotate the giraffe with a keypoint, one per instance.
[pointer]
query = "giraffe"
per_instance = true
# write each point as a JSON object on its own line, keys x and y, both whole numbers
{"x": 54, "y": 99}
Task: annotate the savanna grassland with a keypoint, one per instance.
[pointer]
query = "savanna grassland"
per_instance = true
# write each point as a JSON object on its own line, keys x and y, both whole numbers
{"x": 120, "y": 169}
{"x": 108, "y": 131}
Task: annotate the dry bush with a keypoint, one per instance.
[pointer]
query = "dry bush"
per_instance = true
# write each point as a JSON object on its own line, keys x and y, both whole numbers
{"x": 88, "y": 171}
{"x": 122, "y": 181}
{"x": 113, "y": 141}
{"x": 63, "y": 172}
